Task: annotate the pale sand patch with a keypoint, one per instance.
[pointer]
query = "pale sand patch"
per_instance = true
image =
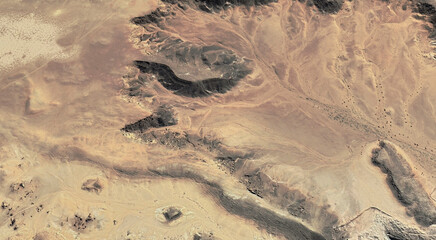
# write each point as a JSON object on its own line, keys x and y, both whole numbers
{"x": 24, "y": 39}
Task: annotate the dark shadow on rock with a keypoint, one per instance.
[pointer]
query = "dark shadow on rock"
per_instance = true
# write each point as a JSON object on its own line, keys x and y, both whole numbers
{"x": 186, "y": 88}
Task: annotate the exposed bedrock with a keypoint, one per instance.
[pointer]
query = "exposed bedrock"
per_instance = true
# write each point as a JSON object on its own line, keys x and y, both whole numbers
{"x": 328, "y": 6}
{"x": 403, "y": 183}
{"x": 204, "y": 236}
{"x": 217, "y": 5}
{"x": 292, "y": 200}
{"x": 163, "y": 117}
{"x": 171, "y": 214}
{"x": 373, "y": 223}
{"x": 429, "y": 11}
{"x": 216, "y": 59}
{"x": 265, "y": 218}
{"x": 183, "y": 87}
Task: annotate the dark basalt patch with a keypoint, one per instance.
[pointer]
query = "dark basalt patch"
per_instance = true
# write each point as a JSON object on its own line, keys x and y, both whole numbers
{"x": 328, "y": 6}
{"x": 183, "y": 87}
{"x": 404, "y": 186}
{"x": 162, "y": 118}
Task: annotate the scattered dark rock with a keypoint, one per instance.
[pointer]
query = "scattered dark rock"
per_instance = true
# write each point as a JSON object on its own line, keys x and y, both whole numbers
{"x": 14, "y": 187}
{"x": 92, "y": 185}
{"x": 172, "y": 214}
{"x": 4, "y": 205}
{"x": 81, "y": 223}
{"x": 39, "y": 208}
{"x": 163, "y": 117}
{"x": 403, "y": 184}
{"x": 12, "y": 222}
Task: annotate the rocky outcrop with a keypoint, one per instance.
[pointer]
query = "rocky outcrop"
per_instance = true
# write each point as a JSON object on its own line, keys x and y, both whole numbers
{"x": 428, "y": 10}
{"x": 265, "y": 218}
{"x": 171, "y": 214}
{"x": 183, "y": 87}
{"x": 163, "y": 117}
{"x": 218, "y": 59}
{"x": 218, "y": 5}
{"x": 403, "y": 183}
{"x": 328, "y": 6}
{"x": 293, "y": 201}
{"x": 374, "y": 224}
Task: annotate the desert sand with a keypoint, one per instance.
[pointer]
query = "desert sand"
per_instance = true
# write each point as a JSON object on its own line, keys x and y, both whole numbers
{"x": 147, "y": 119}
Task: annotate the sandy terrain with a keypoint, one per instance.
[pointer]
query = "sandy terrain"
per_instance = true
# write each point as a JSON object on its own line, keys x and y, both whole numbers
{"x": 146, "y": 119}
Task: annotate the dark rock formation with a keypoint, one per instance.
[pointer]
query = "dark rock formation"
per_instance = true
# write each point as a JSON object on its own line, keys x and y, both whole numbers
{"x": 162, "y": 118}
{"x": 219, "y": 60}
{"x": 187, "y": 88}
{"x": 292, "y": 200}
{"x": 403, "y": 184}
{"x": 172, "y": 214}
{"x": 218, "y": 5}
{"x": 328, "y": 6}
{"x": 429, "y": 12}
{"x": 204, "y": 236}
{"x": 153, "y": 17}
